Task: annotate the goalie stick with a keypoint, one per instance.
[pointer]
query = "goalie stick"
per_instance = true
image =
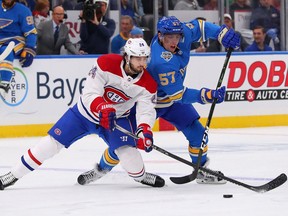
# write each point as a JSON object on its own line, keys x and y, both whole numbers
{"x": 193, "y": 175}
{"x": 274, "y": 183}
{"x": 7, "y": 51}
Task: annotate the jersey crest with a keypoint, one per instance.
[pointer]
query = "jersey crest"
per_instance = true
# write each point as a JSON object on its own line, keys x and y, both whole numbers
{"x": 167, "y": 56}
{"x": 92, "y": 72}
{"x": 4, "y": 23}
{"x": 114, "y": 95}
{"x": 189, "y": 25}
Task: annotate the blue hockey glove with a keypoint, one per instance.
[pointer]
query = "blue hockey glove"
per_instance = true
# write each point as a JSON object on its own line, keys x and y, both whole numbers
{"x": 228, "y": 37}
{"x": 208, "y": 95}
{"x": 27, "y": 56}
{"x": 145, "y": 135}
{"x": 107, "y": 116}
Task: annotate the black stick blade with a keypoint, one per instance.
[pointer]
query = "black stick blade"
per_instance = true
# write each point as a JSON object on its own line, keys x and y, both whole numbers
{"x": 281, "y": 179}
{"x": 184, "y": 179}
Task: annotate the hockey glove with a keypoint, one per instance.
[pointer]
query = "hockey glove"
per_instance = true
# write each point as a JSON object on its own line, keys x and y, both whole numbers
{"x": 27, "y": 56}
{"x": 228, "y": 37}
{"x": 107, "y": 116}
{"x": 208, "y": 95}
{"x": 145, "y": 135}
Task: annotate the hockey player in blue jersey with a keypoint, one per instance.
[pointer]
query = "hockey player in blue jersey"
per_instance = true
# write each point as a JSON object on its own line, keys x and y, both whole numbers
{"x": 16, "y": 24}
{"x": 170, "y": 53}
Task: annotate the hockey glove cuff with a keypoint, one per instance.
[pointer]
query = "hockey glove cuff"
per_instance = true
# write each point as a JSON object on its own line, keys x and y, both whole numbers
{"x": 27, "y": 56}
{"x": 145, "y": 135}
{"x": 208, "y": 95}
{"x": 107, "y": 116}
{"x": 228, "y": 37}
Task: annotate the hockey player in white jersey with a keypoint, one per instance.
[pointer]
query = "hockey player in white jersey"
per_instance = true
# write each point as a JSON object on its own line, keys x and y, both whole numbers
{"x": 113, "y": 86}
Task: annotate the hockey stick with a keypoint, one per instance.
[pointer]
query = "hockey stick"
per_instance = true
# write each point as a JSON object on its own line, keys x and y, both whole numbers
{"x": 274, "y": 183}
{"x": 7, "y": 51}
{"x": 193, "y": 175}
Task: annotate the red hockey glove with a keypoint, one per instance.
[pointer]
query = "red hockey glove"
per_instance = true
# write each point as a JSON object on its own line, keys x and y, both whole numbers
{"x": 145, "y": 135}
{"x": 107, "y": 115}
{"x": 27, "y": 56}
{"x": 208, "y": 95}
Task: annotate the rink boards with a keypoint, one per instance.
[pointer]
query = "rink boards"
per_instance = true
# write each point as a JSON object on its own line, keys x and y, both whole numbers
{"x": 257, "y": 91}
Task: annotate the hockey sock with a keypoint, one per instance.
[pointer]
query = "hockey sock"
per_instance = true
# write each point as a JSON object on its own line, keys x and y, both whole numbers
{"x": 108, "y": 160}
{"x": 132, "y": 162}
{"x": 34, "y": 157}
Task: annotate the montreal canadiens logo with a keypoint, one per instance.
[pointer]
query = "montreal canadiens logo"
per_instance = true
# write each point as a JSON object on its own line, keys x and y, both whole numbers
{"x": 18, "y": 89}
{"x": 114, "y": 95}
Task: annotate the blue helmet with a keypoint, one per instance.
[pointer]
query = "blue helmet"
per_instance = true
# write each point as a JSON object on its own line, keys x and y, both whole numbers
{"x": 170, "y": 25}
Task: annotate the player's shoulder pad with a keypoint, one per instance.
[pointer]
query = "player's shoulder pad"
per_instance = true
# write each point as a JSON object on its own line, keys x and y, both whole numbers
{"x": 110, "y": 63}
{"x": 148, "y": 82}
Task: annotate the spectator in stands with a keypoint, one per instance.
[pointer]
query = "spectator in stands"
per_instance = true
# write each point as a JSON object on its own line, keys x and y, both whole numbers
{"x": 137, "y": 6}
{"x": 215, "y": 46}
{"x": 239, "y": 5}
{"x": 95, "y": 33}
{"x": 187, "y": 5}
{"x": 53, "y": 34}
{"x": 211, "y": 5}
{"x": 126, "y": 25}
{"x": 276, "y": 4}
{"x": 68, "y": 4}
{"x": 267, "y": 16}
{"x": 136, "y": 33}
{"x": 259, "y": 38}
{"x": 41, "y": 12}
{"x": 126, "y": 9}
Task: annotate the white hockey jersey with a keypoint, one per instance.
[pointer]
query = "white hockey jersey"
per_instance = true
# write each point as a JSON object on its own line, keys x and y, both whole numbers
{"x": 107, "y": 79}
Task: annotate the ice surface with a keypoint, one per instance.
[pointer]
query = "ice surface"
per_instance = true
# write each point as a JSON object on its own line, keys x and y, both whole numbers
{"x": 253, "y": 156}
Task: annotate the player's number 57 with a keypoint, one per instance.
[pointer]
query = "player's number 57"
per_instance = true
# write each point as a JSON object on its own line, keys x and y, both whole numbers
{"x": 165, "y": 77}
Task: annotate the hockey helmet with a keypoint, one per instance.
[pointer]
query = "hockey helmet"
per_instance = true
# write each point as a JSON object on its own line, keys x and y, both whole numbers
{"x": 170, "y": 25}
{"x": 136, "y": 47}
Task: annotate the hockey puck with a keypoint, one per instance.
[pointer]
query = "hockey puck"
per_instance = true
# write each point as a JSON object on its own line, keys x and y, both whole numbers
{"x": 227, "y": 195}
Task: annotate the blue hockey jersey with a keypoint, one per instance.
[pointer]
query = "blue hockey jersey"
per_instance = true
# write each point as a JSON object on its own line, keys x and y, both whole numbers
{"x": 17, "y": 24}
{"x": 169, "y": 69}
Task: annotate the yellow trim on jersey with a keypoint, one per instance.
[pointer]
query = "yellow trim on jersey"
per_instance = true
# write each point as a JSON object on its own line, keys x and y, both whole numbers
{"x": 202, "y": 30}
{"x": 195, "y": 151}
{"x": 6, "y": 66}
{"x": 169, "y": 99}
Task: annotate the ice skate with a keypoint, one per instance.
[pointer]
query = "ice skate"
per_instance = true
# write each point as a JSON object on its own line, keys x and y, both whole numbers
{"x": 91, "y": 175}
{"x": 4, "y": 88}
{"x": 153, "y": 180}
{"x": 7, "y": 180}
{"x": 205, "y": 178}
